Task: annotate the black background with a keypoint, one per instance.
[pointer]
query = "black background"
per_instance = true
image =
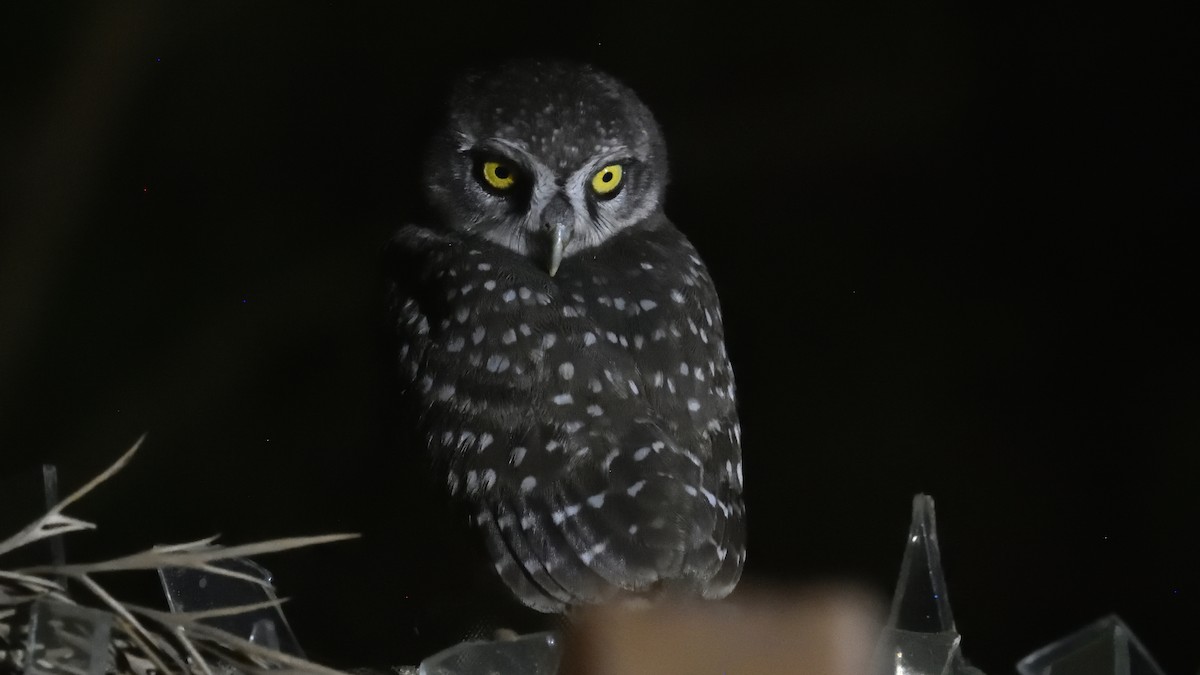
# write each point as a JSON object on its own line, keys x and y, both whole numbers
{"x": 952, "y": 242}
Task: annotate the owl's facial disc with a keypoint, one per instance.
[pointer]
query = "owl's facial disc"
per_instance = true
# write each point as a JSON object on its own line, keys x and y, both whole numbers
{"x": 547, "y": 160}
{"x": 542, "y": 206}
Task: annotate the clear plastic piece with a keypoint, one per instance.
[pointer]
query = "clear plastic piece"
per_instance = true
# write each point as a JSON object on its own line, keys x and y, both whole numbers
{"x": 920, "y": 637}
{"x": 66, "y": 639}
{"x": 1106, "y": 647}
{"x": 190, "y": 590}
{"x": 58, "y": 552}
{"x": 534, "y": 654}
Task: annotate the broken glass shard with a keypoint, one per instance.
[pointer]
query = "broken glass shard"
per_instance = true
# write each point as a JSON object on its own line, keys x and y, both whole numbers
{"x": 920, "y": 603}
{"x": 190, "y": 590}
{"x": 66, "y": 639}
{"x": 535, "y": 654}
{"x": 1105, "y": 647}
{"x": 920, "y": 637}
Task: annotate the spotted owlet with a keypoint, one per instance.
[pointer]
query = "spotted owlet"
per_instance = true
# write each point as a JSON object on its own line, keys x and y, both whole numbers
{"x": 561, "y": 346}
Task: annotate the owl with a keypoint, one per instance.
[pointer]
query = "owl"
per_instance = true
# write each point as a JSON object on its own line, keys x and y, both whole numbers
{"x": 561, "y": 346}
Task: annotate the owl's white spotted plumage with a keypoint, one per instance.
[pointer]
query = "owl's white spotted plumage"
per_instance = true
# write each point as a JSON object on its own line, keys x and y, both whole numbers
{"x": 562, "y": 347}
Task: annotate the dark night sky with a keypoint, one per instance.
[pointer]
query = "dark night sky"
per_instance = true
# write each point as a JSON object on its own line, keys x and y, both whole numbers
{"x": 953, "y": 247}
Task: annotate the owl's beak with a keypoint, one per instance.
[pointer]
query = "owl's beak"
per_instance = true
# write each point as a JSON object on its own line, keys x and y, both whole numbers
{"x": 558, "y": 221}
{"x": 560, "y": 234}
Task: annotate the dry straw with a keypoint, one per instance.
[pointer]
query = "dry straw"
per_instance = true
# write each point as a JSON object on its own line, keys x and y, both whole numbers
{"x": 143, "y": 640}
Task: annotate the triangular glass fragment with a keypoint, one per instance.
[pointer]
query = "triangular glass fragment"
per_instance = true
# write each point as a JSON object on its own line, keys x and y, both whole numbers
{"x": 534, "y": 654}
{"x": 1106, "y": 647}
{"x": 190, "y": 590}
{"x": 920, "y": 637}
{"x": 920, "y": 603}
{"x": 66, "y": 639}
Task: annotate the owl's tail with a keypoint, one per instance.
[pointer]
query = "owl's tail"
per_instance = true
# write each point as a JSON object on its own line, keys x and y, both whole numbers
{"x": 640, "y": 520}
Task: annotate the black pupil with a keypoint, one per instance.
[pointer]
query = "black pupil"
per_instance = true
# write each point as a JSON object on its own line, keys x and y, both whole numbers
{"x": 607, "y": 177}
{"x": 501, "y": 172}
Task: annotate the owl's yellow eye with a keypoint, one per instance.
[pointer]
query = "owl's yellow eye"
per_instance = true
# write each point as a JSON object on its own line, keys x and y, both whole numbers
{"x": 499, "y": 175}
{"x": 606, "y": 180}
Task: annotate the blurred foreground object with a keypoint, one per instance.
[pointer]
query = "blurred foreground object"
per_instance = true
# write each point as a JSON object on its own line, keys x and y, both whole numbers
{"x": 1106, "y": 647}
{"x": 920, "y": 637}
{"x": 823, "y": 631}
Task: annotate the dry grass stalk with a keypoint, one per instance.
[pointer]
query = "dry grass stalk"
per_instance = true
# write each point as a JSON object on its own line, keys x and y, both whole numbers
{"x": 144, "y": 639}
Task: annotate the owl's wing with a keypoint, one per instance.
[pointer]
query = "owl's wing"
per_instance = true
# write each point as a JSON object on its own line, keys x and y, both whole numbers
{"x": 724, "y": 480}
{"x": 582, "y": 486}
{"x": 673, "y": 313}
{"x": 476, "y": 373}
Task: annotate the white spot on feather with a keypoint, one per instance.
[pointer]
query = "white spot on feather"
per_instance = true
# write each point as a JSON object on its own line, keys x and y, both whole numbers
{"x": 592, "y": 552}
{"x": 497, "y": 363}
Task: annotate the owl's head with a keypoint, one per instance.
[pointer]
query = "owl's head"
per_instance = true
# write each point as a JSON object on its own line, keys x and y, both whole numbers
{"x": 546, "y": 159}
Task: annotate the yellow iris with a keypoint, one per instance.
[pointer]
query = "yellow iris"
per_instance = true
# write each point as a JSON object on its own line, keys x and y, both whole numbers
{"x": 499, "y": 175}
{"x": 607, "y": 179}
